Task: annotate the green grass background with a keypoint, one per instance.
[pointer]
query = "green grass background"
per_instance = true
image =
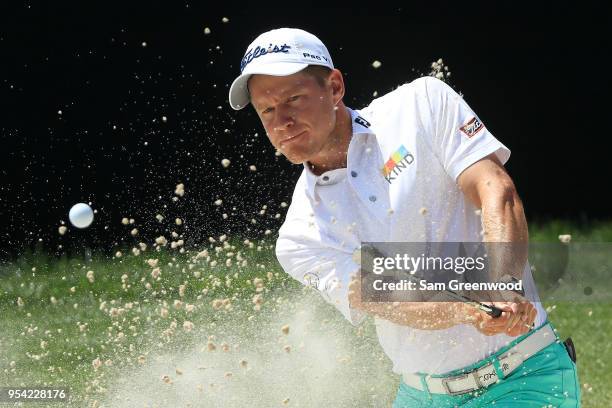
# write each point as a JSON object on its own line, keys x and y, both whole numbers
{"x": 67, "y": 356}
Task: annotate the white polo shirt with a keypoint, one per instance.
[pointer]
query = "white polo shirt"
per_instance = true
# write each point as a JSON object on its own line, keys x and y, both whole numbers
{"x": 407, "y": 150}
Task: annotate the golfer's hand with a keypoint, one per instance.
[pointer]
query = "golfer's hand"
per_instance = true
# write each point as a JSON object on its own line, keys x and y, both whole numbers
{"x": 516, "y": 319}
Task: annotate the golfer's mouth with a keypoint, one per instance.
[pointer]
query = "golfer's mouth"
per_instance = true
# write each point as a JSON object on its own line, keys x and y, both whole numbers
{"x": 292, "y": 138}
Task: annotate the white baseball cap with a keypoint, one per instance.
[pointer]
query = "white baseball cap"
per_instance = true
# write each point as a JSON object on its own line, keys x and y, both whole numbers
{"x": 281, "y": 52}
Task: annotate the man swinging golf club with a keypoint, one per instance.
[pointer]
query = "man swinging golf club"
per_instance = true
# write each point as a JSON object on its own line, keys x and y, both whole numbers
{"x": 415, "y": 165}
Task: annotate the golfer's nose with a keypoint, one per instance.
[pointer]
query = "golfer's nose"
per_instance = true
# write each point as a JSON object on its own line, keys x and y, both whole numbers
{"x": 285, "y": 119}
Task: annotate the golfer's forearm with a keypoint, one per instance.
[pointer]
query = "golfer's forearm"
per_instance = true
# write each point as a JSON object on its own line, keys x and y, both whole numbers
{"x": 418, "y": 315}
{"x": 504, "y": 221}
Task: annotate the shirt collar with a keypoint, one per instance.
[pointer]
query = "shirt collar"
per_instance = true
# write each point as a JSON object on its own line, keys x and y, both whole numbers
{"x": 361, "y": 127}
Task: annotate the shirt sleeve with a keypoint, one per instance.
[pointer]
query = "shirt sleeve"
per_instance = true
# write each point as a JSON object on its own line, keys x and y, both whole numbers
{"x": 318, "y": 261}
{"x": 460, "y": 138}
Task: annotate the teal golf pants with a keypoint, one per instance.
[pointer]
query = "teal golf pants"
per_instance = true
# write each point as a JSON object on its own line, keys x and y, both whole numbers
{"x": 547, "y": 379}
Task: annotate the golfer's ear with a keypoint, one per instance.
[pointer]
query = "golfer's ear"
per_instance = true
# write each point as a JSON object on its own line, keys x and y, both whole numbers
{"x": 337, "y": 85}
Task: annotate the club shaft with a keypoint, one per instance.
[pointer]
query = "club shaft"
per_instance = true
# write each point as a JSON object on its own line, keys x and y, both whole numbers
{"x": 488, "y": 309}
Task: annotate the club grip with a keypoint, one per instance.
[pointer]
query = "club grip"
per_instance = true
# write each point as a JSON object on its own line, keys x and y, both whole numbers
{"x": 494, "y": 311}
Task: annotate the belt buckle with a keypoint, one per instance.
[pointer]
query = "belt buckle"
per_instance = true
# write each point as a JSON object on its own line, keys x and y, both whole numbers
{"x": 446, "y": 380}
{"x": 473, "y": 373}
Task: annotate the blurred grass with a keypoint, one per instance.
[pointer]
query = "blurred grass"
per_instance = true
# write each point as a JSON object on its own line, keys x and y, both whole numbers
{"x": 66, "y": 358}
{"x": 585, "y": 231}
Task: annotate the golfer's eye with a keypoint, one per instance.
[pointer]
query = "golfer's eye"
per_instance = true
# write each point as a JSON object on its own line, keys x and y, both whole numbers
{"x": 268, "y": 110}
{"x": 294, "y": 98}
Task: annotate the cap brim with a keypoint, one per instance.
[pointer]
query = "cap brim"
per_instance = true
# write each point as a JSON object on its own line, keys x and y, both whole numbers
{"x": 239, "y": 92}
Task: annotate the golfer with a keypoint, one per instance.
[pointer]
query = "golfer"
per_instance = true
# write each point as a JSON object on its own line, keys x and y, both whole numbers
{"x": 415, "y": 165}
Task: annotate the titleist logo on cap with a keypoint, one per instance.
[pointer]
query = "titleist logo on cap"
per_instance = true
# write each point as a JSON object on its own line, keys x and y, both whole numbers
{"x": 259, "y": 51}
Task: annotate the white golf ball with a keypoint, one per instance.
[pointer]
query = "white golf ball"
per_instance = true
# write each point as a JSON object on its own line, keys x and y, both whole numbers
{"x": 81, "y": 215}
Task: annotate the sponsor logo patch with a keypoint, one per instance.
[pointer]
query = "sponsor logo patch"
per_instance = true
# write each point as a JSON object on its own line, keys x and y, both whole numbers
{"x": 362, "y": 121}
{"x": 311, "y": 279}
{"x": 472, "y": 127}
{"x": 399, "y": 160}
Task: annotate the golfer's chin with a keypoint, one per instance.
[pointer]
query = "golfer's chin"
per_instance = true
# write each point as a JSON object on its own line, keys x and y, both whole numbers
{"x": 295, "y": 157}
